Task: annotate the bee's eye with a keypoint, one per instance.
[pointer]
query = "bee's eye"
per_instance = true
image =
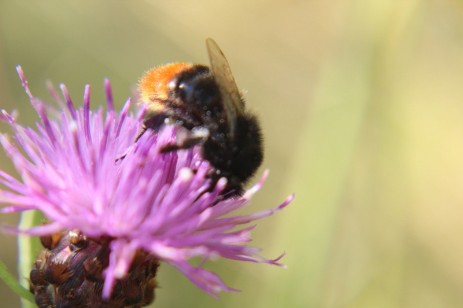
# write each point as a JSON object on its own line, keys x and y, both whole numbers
{"x": 201, "y": 92}
{"x": 184, "y": 90}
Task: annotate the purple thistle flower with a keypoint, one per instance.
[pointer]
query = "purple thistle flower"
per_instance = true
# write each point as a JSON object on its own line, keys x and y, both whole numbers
{"x": 71, "y": 170}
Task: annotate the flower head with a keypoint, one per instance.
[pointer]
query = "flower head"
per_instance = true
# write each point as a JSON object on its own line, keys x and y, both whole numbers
{"x": 83, "y": 171}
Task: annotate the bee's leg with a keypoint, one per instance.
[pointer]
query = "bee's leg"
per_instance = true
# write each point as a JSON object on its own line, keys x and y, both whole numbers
{"x": 196, "y": 137}
{"x": 186, "y": 144}
{"x": 143, "y": 130}
{"x": 119, "y": 159}
{"x": 154, "y": 122}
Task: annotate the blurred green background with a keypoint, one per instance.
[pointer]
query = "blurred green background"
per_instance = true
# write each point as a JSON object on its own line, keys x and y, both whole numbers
{"x": 361, "y": 103}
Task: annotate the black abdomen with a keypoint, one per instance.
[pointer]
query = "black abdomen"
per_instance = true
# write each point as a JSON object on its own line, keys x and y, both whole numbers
{"x": 239, "y": 158}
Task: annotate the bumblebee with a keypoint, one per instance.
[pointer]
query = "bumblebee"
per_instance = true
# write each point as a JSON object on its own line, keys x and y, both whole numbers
{"x": 206, "y": 101}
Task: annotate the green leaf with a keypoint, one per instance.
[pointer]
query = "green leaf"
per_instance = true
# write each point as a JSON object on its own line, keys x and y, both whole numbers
{"x": 14, "y": 284}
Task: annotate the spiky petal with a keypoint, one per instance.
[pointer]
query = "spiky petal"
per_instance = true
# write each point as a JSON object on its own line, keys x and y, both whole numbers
{"x": 71, "y": 170}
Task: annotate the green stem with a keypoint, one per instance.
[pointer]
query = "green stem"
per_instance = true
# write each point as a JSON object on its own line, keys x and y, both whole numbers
{"x": 14, "y": 284}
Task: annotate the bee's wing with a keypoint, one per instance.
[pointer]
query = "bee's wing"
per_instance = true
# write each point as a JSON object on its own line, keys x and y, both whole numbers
{"x": 231, "y": 97}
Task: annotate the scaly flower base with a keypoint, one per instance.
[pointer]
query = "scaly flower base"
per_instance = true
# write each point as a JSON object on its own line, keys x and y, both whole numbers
{"x": 69, "y": 273}
{"x": 83, "y": 170}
